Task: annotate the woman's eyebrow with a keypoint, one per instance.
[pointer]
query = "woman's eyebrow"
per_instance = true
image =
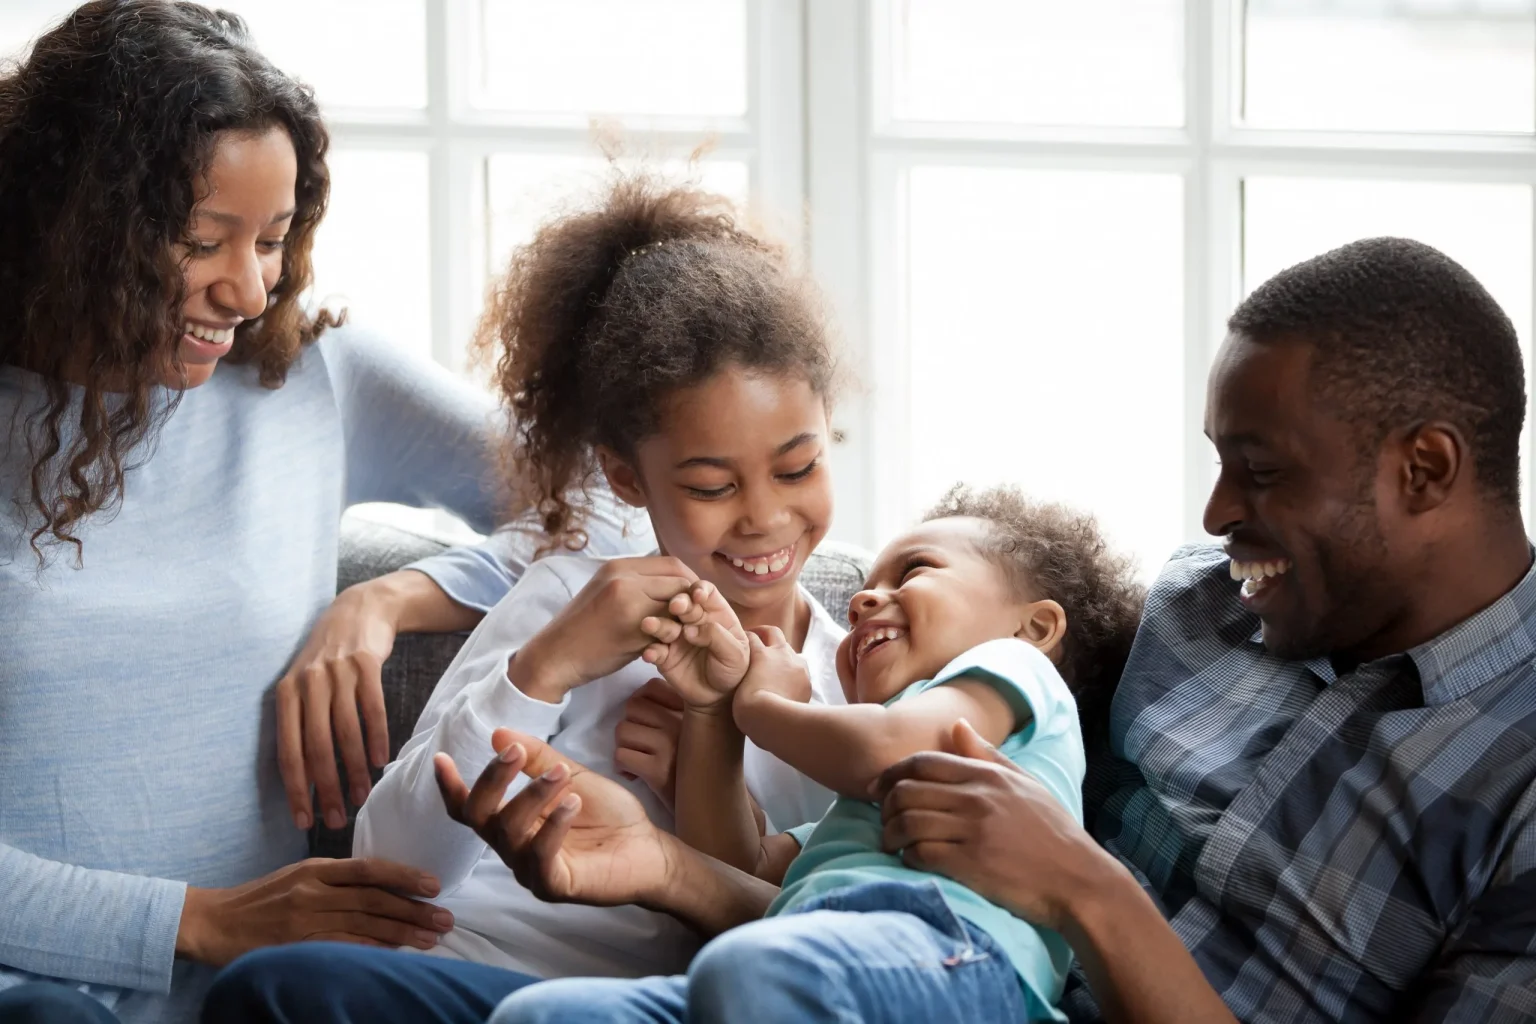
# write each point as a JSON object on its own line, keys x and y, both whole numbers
{"x": 795, "y": 442}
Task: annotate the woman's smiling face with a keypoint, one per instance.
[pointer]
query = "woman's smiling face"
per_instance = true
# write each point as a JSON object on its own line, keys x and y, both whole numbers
{"x": 736, "y": 482}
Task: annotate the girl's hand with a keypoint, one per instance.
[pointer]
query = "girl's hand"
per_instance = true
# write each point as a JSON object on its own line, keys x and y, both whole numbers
{"x": 774, "y": 668}
{"x": 647, "y": 739}
{"x": 570, "y": 836}
{"x": 598, "y": 632}
{"x": 700, "y": 647}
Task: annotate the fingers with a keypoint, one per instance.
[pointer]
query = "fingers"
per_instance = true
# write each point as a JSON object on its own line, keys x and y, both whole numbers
{"x": 689, "y": 608}
{"x": 358, "y": 927}
{"x": 381, "y": 904}
{"x": 638, "y": 764}
{"x": 290, "y": 750}
{"x": 661, "y": 566}
{"x": 910, "y": 827}
{"x": 490, "y": 789}
{"x": 542, "y": 856}
{"x": 661, "y": 628}
{"x": 642, "y": 710}
{"x": 770, "y": 636}
{"x": 541, "y": 756}
{"x": 319, "y": 754}
{"x": 658, "y": 691}
{"x": 372, "y": 871}
{"x": 451, "y": 785}
{"x": 349, "y": 732}
{"x": 370, "y": 699}
{"x": 967, "y": 742}
{"x": 646, "y": 739}
{"x": 513, "y": 827}
{"x": 724, "y": 647}
{"x": 930, "y": 766}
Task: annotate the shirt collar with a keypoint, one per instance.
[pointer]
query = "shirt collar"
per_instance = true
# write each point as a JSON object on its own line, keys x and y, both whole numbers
{"x": 1470, "y": 653}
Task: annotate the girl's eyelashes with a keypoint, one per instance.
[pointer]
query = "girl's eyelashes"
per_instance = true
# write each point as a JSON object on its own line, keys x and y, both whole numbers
{"x": 708, "y": 494}
{"x": 801, "y": 474}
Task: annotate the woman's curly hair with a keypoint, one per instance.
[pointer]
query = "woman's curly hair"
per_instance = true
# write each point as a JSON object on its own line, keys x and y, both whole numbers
{"x": 1055, "y": 552}
{"x": 610, "y": 310}
{"x": 107, "y": 129}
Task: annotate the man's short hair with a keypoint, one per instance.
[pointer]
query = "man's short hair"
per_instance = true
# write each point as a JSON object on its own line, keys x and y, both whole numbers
{"x": 1403, "y": 334}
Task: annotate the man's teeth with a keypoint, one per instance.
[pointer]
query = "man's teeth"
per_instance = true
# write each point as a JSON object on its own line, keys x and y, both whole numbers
{"x": 764, "y": 566}
{"x": 1253, "y": 574}
{"x": 219, "y": 337}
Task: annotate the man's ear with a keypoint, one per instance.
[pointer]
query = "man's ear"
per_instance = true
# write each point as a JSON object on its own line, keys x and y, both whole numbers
{"x": 622, "y": 478}
{"x": 1043, "y": 624}
{"x": 1434, "y": 455}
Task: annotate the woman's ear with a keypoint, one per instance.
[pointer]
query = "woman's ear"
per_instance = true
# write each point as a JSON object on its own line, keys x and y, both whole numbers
{"x": 622, "y": 478}
{"x": 1043, "y": 625}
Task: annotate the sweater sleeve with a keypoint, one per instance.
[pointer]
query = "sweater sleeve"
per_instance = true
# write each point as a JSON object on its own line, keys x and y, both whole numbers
{"x": 404, "y": 818}
{"x": 86, "y": 925}
{"x": 415, "y": 433}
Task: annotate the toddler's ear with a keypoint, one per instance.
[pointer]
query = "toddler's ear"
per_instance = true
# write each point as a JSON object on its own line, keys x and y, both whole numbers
{"x": 1043, "y": 624}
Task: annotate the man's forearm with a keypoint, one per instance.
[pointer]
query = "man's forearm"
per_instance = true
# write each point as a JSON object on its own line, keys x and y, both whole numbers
{"x": 708, "y": 895}
{"x": 1139, "y": 971}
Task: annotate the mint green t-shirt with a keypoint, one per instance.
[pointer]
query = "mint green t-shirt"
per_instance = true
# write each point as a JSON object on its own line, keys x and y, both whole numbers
{"x": 843, "y": 849}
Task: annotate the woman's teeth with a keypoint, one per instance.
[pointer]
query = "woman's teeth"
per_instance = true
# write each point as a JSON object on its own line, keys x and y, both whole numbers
{"x": 1253, "y": 574}
{"x": 217, "y": 337}
{"x": 764, "y": 566}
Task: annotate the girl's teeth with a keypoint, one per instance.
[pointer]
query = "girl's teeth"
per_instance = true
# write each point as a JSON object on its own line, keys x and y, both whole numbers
{"x": 762, "y": 567}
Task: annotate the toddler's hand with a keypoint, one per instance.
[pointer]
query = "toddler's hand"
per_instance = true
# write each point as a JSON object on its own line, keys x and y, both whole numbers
{"x": 700, "y": 647}
{"x": 775, "y": 668}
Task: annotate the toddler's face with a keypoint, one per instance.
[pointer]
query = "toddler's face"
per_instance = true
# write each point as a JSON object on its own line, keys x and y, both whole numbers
{"x": 931, "y": 596}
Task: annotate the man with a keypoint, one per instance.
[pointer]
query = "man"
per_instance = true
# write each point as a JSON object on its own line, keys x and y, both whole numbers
{"x": 1318, "y": 796}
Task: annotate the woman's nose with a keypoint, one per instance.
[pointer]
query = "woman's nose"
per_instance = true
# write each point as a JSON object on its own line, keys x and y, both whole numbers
{"x": 242, "y": 289}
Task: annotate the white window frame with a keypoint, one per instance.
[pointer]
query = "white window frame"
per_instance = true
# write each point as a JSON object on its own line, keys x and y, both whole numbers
{"x": 459, "y": 139}
{"x": 856, "y": 167}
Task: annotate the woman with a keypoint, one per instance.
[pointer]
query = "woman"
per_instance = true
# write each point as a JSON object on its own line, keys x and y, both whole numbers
{"x": 182, "y": 438}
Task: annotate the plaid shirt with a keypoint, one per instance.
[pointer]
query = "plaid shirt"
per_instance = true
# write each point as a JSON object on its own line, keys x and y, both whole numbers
{"x": 1330, "y": 847}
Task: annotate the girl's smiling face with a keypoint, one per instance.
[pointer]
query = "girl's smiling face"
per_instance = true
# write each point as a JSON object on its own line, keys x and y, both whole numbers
{"x": 736, "y": 483}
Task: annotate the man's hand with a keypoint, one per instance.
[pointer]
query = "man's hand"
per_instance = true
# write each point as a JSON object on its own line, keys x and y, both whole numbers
{"x": 646, "y": 740}
{"x": 700, "y": 647}
{"x": 571, "y": 836}
{"x": 975, "y": 816}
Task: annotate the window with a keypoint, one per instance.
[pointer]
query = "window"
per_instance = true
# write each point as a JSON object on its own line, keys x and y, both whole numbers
{"x": 1031, "y": 217}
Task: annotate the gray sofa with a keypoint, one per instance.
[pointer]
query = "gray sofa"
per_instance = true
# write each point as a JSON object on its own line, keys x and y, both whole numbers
{"x": 833, "y": 574}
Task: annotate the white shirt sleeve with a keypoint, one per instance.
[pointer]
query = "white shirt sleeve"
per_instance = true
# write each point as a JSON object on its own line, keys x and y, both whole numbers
{"x": 404, "y": 818}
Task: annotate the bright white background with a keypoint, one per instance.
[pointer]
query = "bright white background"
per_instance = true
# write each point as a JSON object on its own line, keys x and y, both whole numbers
{"x": 1031, "y": 216}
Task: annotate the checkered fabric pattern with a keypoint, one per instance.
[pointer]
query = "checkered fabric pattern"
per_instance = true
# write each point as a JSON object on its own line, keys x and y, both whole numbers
{"x": 1330, "y": 847}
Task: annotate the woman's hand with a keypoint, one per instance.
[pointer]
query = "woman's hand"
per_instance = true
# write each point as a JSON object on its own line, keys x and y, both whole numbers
{"x": 337, "y": 675}
{"x": 598, "y": 632}
{"x": 364, "y": 901}
{"x": 700, "y": 647}
{"x": 571, "y": 836}
{"x": 646, "y": 739}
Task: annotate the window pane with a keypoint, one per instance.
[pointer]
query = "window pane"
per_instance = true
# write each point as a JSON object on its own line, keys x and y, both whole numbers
{"x": 1040, "y": 62}
{"x": 22, "y": 21}
{"x": 524, "y": 190}
{"x": 372, "y": 252}
{"x": 356, "y": 53}
{"x": 1376, "y": 65}
{"x": 1047, "y": 344}
{"x": 665, "y": 57}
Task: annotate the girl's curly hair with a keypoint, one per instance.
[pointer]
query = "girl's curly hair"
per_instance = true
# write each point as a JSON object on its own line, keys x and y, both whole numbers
{"x": 1056, "y": 552}
{"x": 610, "y": 310}
{"x": 107, "y": 129}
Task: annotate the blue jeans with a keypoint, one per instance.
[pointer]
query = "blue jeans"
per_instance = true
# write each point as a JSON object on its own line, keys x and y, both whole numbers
{"x": 884, "y": 951}
{"x": 46, "y": 1002}
{"x": 339, "y": 983}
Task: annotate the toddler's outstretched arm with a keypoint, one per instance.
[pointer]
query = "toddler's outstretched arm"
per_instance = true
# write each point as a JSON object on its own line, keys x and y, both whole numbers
{"x": 846, "y": 748}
